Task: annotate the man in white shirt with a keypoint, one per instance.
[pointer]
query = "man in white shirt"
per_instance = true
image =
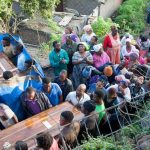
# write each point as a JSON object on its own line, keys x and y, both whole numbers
{"x": 78, "y": 97}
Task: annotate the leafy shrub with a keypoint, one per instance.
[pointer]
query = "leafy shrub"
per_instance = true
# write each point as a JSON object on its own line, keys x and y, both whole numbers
{"x": 131, "y": 16}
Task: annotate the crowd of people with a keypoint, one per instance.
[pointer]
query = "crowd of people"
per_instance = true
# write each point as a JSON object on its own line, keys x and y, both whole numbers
{"x": 90, "y": 75}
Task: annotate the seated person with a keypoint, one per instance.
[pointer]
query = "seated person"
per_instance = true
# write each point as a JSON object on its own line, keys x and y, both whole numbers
{"x": 52, "y": 91}
{"x": 21, "y": 145}
{"x": 102, "y": 84}
{"x": 46, "y": 142}
{"x": 136, "y": 89}
{"x": 64, "y": 83}
{"x": 34, "y": 102}
{"x": 88, "y": 124}
{"x": 8, "y": 48}
{"x": 109, "y": 71}
{"x": 112, "y": 100}
{"x": 123, "y": 90}
{"x": 93, "y": 42}
{"x": 32, "y": 69}
{"x": 100, "y": 107}
{"x": 70, "y": 130}
{"x": 7, "y": 116}
{"x": 100, "y": 57}
{"x": 21, "y": 57}
{"x": 78, "y": 97}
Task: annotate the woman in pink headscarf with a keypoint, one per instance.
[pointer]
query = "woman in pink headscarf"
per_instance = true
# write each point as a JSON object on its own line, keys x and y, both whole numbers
{"x": 112, "y": 45}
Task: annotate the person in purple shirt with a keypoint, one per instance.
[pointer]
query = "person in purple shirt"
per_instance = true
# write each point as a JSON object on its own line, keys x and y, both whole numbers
{"x": 52, "y": 91}
{"x": 34, "y": 102}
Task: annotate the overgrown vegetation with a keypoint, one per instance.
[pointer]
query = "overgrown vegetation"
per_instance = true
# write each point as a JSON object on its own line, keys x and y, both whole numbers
{"x": 131, "y": 16}
{"x": 101, "y": 27}
{"x": 124, "y": 139}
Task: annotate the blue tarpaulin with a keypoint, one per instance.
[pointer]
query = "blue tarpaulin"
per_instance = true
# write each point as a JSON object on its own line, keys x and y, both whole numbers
{"x": 10, "y": 91}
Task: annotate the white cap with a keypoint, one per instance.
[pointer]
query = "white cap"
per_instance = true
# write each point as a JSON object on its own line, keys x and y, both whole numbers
{"x": 128, "y": 40}
{"x": 97, "y": 47}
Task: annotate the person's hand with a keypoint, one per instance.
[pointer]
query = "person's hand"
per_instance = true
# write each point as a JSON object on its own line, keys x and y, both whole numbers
{"x": 121, "y": 89}
{"x": 63, "y": 61}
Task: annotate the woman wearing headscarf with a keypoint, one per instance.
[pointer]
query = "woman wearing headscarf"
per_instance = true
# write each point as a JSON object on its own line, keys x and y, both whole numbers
{"x": 112, "y": 45}
{"x": 73, "y": 36}
{"x": 80, "y": 59}
{"x": 128, "y": 49}
{"x": 87, "y": 36}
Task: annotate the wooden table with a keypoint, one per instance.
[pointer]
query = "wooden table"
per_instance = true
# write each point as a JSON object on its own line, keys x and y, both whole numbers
{"x": 6, "y": 64}
{"x": 28, "y": 128}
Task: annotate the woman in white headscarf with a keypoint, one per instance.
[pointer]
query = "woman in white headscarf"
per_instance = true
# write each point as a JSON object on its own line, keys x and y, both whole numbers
{"x": 86, "y": 37}
{"x": 128, "y": 49}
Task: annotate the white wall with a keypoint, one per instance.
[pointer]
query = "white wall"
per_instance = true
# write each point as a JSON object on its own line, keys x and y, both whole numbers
{"x": 108, "y": 8}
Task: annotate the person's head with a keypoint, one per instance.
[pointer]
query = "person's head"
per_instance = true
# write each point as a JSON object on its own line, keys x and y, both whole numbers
{"x": 19, "y": 49}
{"x": 113, "y": 28}
{"x": 88, "y": 29}
{"x": 98, "y": 49}
{"x": 128, "y": 42}
{"x": 30, "y": 93}
{"x": 7, "y": 75}
{"x": 68, "y": 30}
{"x": 29, "y": 63}
{"x": 21, "y": 145}
{"x": 6, "y": 41}
{"x": 144, "y": 39}
{"x": 98, "y": 96}
{"x": 114, "y": 32}
{"x": 81, "y": 47}
{"x": 66, "y": 117}
{"x": 81, "y": 90}
{"x": 134, "y": 57}
{"x": 88, "y": 107}
{"x": 102, "y": 81}
{"x": 94, "y": 40}
{"x": 124, "y": 84}
{"x": 44, "y": 140}
{"x": 108, "y": 71}
{"x": 140, "y": 81}
{"x": 46, "y": 84}
{"x": 63, "y": 75}
{"x": 57, "y": 46}
{"x": 112, "y": 93}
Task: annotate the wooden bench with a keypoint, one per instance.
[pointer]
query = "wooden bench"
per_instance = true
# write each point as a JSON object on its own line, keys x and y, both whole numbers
{"x": 28, "y": 128}
{"x": 6, "y": 64}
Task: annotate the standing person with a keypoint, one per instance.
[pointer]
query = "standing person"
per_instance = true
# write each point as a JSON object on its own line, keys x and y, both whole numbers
{"x": 34, "y": 102}
{"x": 100, "y": 107}
{"x": 87, "y": 36}
{"x": 52, "y": 91}
{"x": 100, "y": 57}
{"x": 7, "y": 116}
{"x": 70, "y": 47}
{"x": 58, "y": 58}
{"x": 64, "y": 83}
{"x": 69, "y": 31}
{"x": 70, "y": 130}
{"x": 46, "y": 142}
{"x": 112, "y": 45}
{"x": 80, "y": 59}
{"x": 78, "y": 97}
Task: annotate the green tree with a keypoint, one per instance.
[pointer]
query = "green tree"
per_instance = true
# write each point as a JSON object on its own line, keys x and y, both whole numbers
{"x": 44, "y": 8}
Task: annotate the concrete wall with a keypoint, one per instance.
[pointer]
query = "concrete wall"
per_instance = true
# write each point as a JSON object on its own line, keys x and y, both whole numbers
{"x": 86, "y": 7}
{"x": 108, "y": 8}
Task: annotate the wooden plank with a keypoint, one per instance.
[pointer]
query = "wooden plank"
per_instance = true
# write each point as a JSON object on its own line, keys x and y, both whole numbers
{"x": 32, "y": 126}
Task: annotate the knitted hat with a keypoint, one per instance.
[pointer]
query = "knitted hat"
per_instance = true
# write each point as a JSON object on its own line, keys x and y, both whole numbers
{"x": 108, "y": 71}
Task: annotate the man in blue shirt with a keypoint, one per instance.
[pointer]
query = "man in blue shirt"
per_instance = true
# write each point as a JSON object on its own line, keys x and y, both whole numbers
{"x": 52, "y": 91}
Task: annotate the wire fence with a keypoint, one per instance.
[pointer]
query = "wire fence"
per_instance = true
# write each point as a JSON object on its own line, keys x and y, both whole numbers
{"x": 124, "y": 118}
